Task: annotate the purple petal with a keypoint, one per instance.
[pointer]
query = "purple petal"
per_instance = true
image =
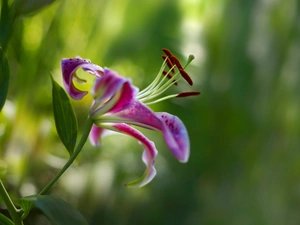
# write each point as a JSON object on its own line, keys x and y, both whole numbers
{"x": 140, "y": 115}
{"x": 69, "y": 67}
{"x": 176, "y": 136}
{"x": 126, "y": 98}
{"x": 111, "y": 93}
{"x": 174, "y": 131}
{"x": 149, "y": 154}
{"x": 95, "y": 135}
{"x": 107, "y": 85}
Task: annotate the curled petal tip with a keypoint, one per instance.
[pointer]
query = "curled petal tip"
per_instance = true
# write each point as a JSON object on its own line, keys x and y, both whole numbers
{"x": 176, "y": 136}
{"x": 142, "y": 181}
{"x": 185, "y": 157}
{"x": 148, "y": 157}
{"x": 69, "y": 67}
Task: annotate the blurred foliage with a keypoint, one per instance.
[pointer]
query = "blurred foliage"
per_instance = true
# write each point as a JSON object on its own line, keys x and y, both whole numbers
{"x": 244, "y": 128}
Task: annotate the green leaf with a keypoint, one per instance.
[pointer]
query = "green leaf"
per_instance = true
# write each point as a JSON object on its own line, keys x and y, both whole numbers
{"x": 65, "y": 118}
{"x": 5, "y": 221}
{"x": 7, "y": 19}
{"x": 56, "y": 210}
{"x": 26, "y": 206}
{"x": 4, "y": 78}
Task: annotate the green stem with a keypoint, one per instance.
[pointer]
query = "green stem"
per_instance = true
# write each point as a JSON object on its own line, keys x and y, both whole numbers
{"x": 13, "y": 211}
{"x": 80, "y": 145}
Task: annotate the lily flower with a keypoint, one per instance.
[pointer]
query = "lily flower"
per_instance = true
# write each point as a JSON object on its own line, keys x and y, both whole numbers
{"x": 118, "y": 105}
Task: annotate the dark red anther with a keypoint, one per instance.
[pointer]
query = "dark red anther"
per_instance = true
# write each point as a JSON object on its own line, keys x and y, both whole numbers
{"x": 176, "y": 62}
{"x": 186, "y": 77}
{"x": 169, "y": 62}
{"x": 167, "y": 52}
{"x": 189, "y": 93}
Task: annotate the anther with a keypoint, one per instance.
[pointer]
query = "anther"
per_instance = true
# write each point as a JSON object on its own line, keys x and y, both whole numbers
{"x": 176, "y": 62}
{"x": 167, "y": 52}
{"x": 189, "y": 93}
{"x": 186, "y": 76}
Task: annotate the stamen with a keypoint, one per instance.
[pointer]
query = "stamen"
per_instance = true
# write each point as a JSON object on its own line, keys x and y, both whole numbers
{"x": 167, "y": 52}
{"x": 169, "y": 76}
{"x": 189, "y": 93}
{"x": 158, "y": 89}
{"x": 162, "y": 99}
{"x": 186, "y": 76}
{"x": 169, "y": 62}
{"x": 166, "y": 78}
{"x": 154, "y": 83}
{"x": 175, "y": 61}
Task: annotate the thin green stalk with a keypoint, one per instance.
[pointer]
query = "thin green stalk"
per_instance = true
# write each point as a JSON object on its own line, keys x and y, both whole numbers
{"x": 80, "y": 145}
{"x": 13, "y": 211}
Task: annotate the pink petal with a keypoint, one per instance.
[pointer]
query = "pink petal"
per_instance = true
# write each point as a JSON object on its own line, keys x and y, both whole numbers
{"x": 107, "y": 85}
{"x": 111, "y": 93}
{"x": 176, "y": 136}
{"x": 172, "y": 128}
{"x": 95, "y": 135}
{"x": 149, "y": 154}
{"x": 140, "y": 115}
{"x": 127, "y": 97}
{"x": 69, "y": 67}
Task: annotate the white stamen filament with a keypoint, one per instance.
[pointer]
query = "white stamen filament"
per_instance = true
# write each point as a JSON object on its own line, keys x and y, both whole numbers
{"x": 154, "y": 83}
{"x": 160, "y": 85}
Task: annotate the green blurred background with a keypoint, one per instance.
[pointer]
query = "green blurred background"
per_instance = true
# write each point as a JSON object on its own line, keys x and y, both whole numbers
{"x": 244, "y": 127}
